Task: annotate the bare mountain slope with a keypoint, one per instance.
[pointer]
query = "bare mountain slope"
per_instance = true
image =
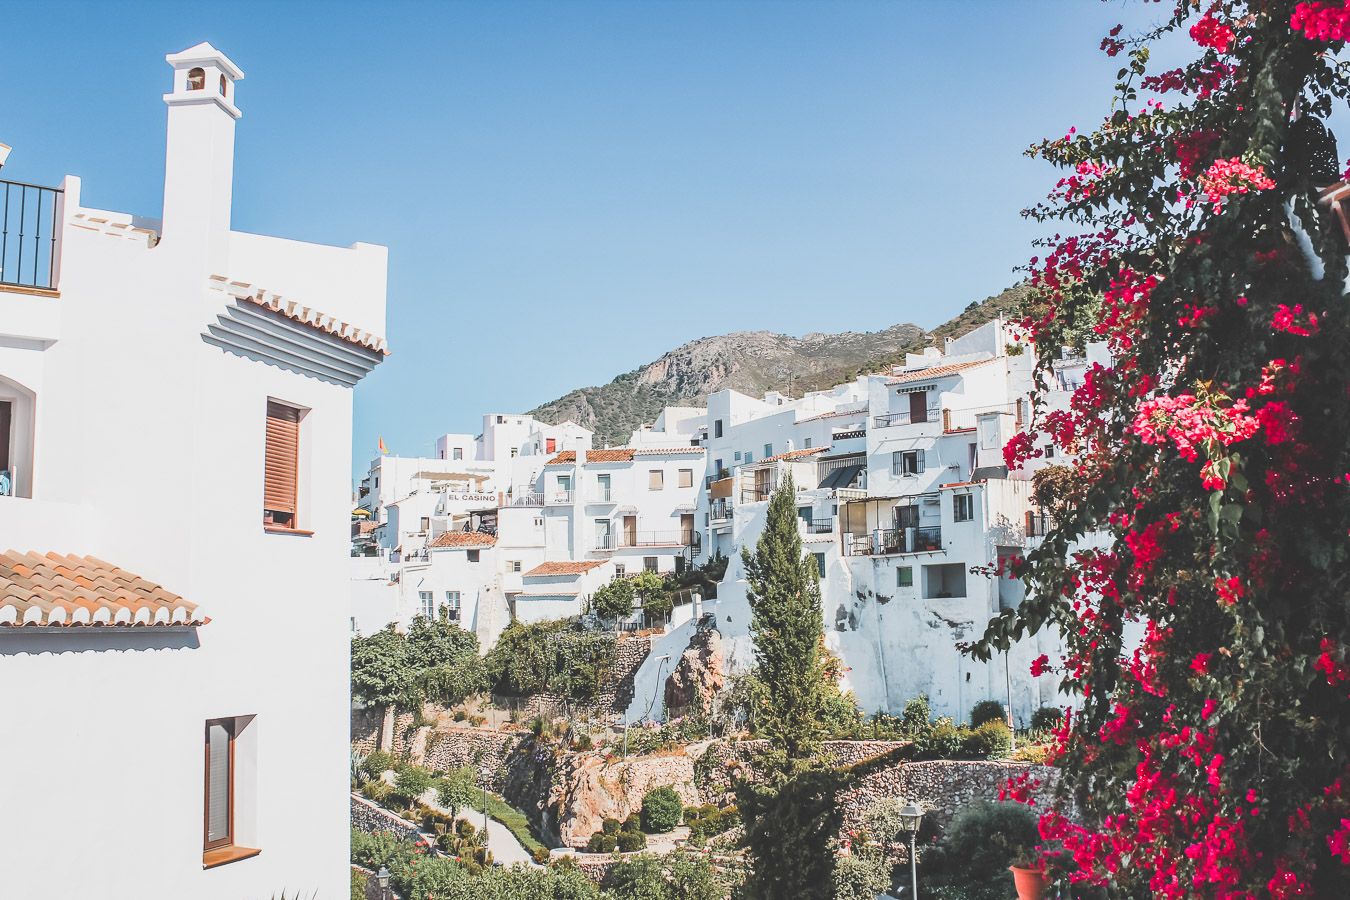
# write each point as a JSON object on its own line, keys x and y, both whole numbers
{"x": 751, "y": 362}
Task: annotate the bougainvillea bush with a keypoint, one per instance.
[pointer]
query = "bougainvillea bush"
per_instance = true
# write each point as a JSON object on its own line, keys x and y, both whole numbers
{"x": 1200, "y": 578}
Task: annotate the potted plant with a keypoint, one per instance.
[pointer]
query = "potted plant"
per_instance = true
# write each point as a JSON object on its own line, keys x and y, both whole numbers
{"x": 1029, "y": 875}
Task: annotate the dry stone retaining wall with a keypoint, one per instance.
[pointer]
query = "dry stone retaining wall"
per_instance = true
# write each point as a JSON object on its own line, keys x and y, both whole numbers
{"x": 493, "y": 752}
{"x": 371, "y": 818}
{"x": 942, "y": 787}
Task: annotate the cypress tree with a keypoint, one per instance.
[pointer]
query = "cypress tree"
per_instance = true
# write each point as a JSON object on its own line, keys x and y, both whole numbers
{"x": 784, "y": 592}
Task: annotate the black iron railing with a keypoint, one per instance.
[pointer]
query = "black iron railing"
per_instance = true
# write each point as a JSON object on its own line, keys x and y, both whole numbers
{"x": 888, "y": 541}
{"x": 28, "y": 234}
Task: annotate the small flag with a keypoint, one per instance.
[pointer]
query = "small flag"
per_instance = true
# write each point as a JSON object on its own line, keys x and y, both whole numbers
{"x": 384, "y": 451}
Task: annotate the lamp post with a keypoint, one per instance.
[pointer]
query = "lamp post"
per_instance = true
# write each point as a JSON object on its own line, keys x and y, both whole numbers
{"x": 382, "y": 879}
{"x": 910, "y": 817}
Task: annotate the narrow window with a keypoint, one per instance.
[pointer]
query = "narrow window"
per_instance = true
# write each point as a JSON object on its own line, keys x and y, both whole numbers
{"x": 602, "y": 487}
{"x": 426, "y": 524}
{"x": 196, "y": 80}
{"x": 806, "y": 444}
{"x": 718, "y": 471}
{"x": 904, "y": 576}
{"x": 717, "y": 428}
{"x": 649, "y": 563}
{"x": 820, "y": 564}
{"x": 282, "y": 454}
{"x": 474, "y": 555}
{"x": 620, "y": 570}
{"x": 223, "y": 86}
{"x": 428, "y": 601}
{"x": 686, "y": 478}
{"x": 656, "y": 479}
{"x": 550, "y": 445}
{"x": 219, "y": 819}
{"x": 515, "y": 565}
{"x": 963, "y": 507}
{"x": 768, "y": 450}
{"x": 452, "y": 605}
{"x": 457, "y": 453}
{"x": 738, "y": 456}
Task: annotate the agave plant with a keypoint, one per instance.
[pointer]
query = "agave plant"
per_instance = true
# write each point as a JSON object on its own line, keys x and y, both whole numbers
{"x": 358, "y": 759}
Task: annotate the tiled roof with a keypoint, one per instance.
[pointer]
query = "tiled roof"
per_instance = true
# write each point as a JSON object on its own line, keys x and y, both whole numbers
{"x": 836, "y": 414}
{"x": 668, "y": 451}
{"x": 296, "y": 312}
{"x": 794, "y": 454}
{"x": 462, "y": 539}
{"x": 81, "y": 590}
{"x": 936, "y": 371}
{"x": 622, "y": 454}
{"x": 546, "y": 595}
{"x": 564, "y": 567}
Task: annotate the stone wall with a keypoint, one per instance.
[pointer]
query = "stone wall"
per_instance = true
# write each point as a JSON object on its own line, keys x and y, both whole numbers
{"x": 941, "y": 787}
{"x": 366, "y": 728}
{"x": 369, "y": 817}
{"x": 628, "y": 658}
{"x": 723, "y": 761}
{"x": 587, "y": 788}
{"x": 446, "y": 748}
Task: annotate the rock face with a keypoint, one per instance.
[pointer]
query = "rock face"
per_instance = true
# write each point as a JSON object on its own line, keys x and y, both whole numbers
{"x": 587, "y": 789}
{"x": 699, "y": 675}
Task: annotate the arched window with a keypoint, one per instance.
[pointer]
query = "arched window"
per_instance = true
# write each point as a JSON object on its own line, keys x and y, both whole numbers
{"x": 223, "y": 84}
{"x": 196, "y": 79}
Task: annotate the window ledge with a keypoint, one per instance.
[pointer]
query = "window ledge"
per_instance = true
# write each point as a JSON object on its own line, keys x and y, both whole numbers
{"x": 281, "y": 529}
{"x": 222, "y": 855}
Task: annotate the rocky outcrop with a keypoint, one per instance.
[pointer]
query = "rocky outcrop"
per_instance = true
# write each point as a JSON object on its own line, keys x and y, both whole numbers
{"x": 699, "y": 675}
{"x": 587, "y": 789}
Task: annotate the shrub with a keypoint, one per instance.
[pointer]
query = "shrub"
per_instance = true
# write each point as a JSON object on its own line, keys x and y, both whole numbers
{"x": 611, "y": 826}
{"x": 916, "y": 714}
{"x": 602, "y": 843}
{"x": 979, "y": 845}
{"x": 990, "y": 739}
{"x": 661, "y": 809}
{"x": 377, "y": 763}
{"x": 377, "y": 791}
{"x": 584, "y": 743}
{"x": 381, "y": 848}
{"x": 942, "y": 741}
{"x": 631, "y": 841}
{"x": 413, "y": 782}
{"x": 540, "y": 856}
{"x": 460, "y": 715}
{"x": 691, "y": 813}
{"x": 987, "y": 711}
{"x": 1047, "y": 718}
{"x": 711, "y": 821}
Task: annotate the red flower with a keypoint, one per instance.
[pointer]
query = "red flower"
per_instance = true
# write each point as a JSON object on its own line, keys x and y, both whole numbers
{"x": 1229, "y": 589}
{"x": 1200, "y": 665}
{"x": 1321, "y": 21}
{"x": 1210, "y": 32}
{"x": 1293, "y": 320}
{"x": 1040, "y": 665}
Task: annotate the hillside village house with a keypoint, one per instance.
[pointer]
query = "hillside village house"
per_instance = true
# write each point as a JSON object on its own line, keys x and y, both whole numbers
{"x": 175, "y": 419}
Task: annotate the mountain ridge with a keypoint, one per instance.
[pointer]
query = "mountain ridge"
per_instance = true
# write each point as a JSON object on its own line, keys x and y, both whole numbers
{"x": 753, "y": 362}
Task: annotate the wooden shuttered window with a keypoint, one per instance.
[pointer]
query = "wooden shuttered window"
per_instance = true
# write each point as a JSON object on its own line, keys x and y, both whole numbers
{"x": 282, "y": 464}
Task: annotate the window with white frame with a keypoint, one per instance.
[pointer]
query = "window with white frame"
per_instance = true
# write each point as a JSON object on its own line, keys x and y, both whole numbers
{"x": 457, "y": 453}
{"x": 513, "y": 566}
{"x": 620, "y": 570}
{"x": 963, "y": 507}
{"x": 427, "y": 601}
{"x": 452, "y": 605}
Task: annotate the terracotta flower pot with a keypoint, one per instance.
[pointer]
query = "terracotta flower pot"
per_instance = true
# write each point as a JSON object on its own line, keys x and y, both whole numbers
{"x": 1031, "y": 884}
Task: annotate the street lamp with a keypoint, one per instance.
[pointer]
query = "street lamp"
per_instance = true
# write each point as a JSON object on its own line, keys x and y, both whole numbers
{"x": 910, "y": 817}
{"x": 382, "y": 879}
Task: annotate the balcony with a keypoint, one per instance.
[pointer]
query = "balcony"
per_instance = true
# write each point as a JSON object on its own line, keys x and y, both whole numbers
{"x": 677, "y": 538}
{"x": 895, "y": 541}
{"x": 906, "y": 418}
{"x": 601, "y": 495}
{"x": 756, "y": 494}
{"x": 532, "y": 498}
{"x": 559, "y": 498}
{"x": 29, "y": 226}
{"x": 720, "y": 510}
{"x": 819, "y": 526}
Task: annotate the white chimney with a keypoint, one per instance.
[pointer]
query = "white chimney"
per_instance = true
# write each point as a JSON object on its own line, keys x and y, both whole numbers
{"x": 199, "y": 160}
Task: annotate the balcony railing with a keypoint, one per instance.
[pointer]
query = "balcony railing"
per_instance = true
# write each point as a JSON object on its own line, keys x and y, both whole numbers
{"x": 756, "y": 494}
{"x": 680, "y": 538}
{"x": 891, "y": 541}
{"x": 602, "y": 495}
{"x": 533, "y": 498}
{"x": 720, "y": 510}
{"x": 1038, "y": 524}
{"x": 819, "y": 526}
{"x": 28, "y": 234}
{"x": 559, "y": 498}
{"x": 907, "y": 418}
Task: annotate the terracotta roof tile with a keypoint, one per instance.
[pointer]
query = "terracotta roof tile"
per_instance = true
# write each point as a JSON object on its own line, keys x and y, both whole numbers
{"x": 936, "y": 371}
{"x": 454, "y": 539}
{"x": 621, "y": 454}
{"x": 564, "y": 567}
{"x": 670, "y": 451}
{"x": 794, "y": 454}
{"x": 55, "y": 590}
{"x": 297, "y": 312}
{"x": 836, "y": 414}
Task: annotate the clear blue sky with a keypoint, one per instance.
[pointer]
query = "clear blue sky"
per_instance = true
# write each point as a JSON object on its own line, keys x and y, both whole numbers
{"x": 568, "y": 189}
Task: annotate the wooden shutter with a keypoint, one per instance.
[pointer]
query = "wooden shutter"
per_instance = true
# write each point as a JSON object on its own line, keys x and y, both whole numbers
{"x": 282, "y": 454}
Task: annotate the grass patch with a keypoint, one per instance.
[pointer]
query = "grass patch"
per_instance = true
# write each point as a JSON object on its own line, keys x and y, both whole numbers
{"x": 515, "y": 820}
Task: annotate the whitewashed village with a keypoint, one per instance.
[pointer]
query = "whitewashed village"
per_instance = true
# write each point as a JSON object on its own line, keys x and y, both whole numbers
{"x": 809, "y": 618}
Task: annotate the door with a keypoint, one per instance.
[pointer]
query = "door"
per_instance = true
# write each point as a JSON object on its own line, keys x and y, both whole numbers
{"x": 686, "y": 528}
{"x": 630, "y": 531}
{"x": 4, "y": 435}
{"x": 918, "y": 406}
{"x": 762, "y": 484}
{"x": 906, "y": 517}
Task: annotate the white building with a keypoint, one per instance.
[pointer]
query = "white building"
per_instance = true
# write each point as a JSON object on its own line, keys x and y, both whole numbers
{"x": 175, "y": 414}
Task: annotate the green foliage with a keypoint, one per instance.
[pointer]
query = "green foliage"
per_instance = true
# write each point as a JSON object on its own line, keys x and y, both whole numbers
{"x": 611, "y": 826}
{"x": 993, "y": 738}
{"x": 677, "y": 876}
{"x": 1046, "y": 718}
{"x": 655, "y": 595}
{"x": 790, "y": 823}
{"x": 976, "y": 849}
{"x": 613, "y": 600}
{"x": 358, "y": 884}
{"x": 381, "y": 848}
{"x": 515, "y": 821}
{"x": 449, "y": 668}
{"x": 557, "y": 656}
{"x": 661, "y": 810}
{"x": 601, "y": 842}
{"x": 631, "y": 841}
{"x": 917, "y": 714}
{"x": 377, "y": 790}
{"x": 987, "y": 711}
{"x": 377, "y": 763}
{"x": 860, "y": 877}
{"x": 943, "y": 740}
{"x": 412, "y": 782}
{"x": 457, "y": 789}
{"x": 708, "y": 821}
{"x": 839, "y": 716}
{"x": 382, "y": 669}
{"x": 784, "y": 593}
